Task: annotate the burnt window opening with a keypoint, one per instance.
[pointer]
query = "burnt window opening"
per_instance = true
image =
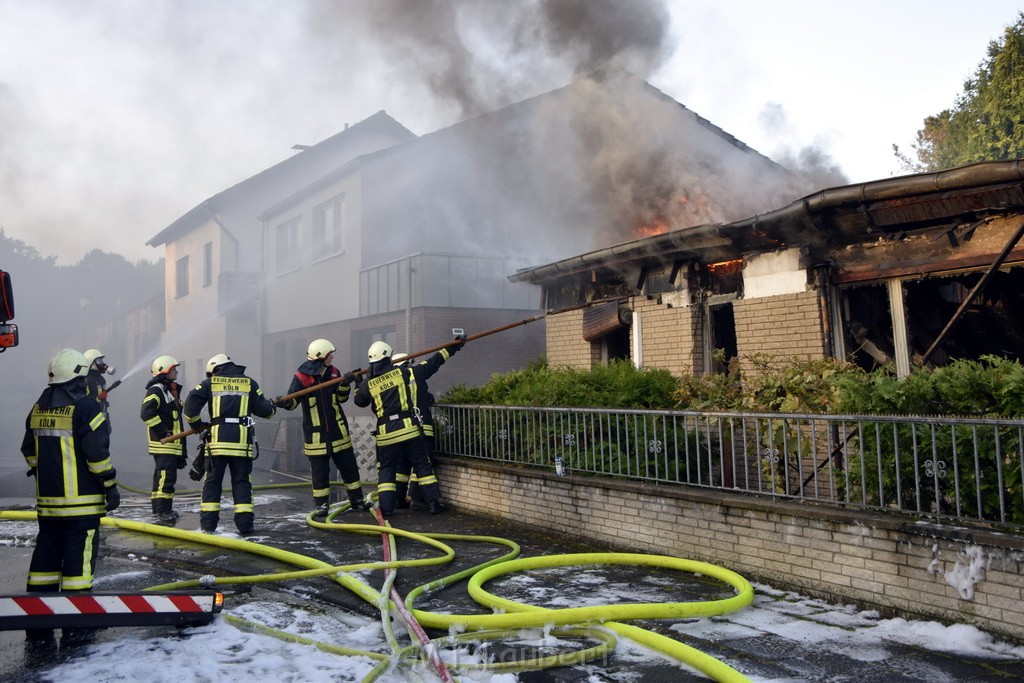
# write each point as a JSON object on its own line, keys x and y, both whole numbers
{"x": 725, "y": 277}
{"x": 615, "y": 345}
{"x": 867, "y": 325}
{"x": 992, "y": 324}
{"x": 722, "y": 338}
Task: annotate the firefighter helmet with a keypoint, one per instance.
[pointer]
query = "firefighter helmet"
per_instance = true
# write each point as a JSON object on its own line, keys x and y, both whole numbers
{"x": 66, "y": 366}
{"x": 95, "y": 357}
{"x": 400, "y": 358}
{"x": 163, "y": 365}
{"x": 215, "y": 362}
{"x": 319, "y": 349}
{"x": 379, "y": 350}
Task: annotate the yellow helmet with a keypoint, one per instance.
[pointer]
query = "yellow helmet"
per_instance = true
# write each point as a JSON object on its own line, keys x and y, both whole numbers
{"x": 163, "y": 365}
{"x": 319, "y": 348}
{"x": 93, "y": 355}
{"x": 66, "y": 366}
{"x": 379, "y": 350}
{"x": 215, "y": 362}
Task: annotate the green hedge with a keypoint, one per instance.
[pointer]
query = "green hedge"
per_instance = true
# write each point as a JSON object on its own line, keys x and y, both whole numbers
{"x": 990, "y": 387}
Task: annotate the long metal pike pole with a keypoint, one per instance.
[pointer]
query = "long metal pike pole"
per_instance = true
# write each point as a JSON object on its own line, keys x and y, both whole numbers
{"x": 432, "y": 349}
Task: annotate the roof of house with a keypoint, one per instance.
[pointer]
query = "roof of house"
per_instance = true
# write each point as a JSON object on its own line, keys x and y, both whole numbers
{"x": 831, "y": 217}
{"x": 378, "y": 122}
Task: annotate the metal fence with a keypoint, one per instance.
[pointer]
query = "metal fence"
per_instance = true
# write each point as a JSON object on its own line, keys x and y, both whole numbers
{"x": 941, "y": 467}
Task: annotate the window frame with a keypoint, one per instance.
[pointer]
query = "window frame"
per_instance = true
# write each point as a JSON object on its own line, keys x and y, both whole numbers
{"x": 288, "y": 251}
{"x": 181, "y": 277}
{"x": 329, "y": 236}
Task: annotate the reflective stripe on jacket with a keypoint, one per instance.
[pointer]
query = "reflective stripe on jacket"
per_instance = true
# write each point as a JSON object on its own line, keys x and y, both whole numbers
{"x": 161, "y": 411}
{"x": 230, "y": 399}
{"x": 67, "y": 440}
{"x": 393, "y": 393}
{"x": 323, "y": 418}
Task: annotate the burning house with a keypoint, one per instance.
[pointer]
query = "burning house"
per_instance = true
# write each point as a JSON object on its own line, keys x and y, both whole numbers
{"x": 912, "y": 270}
{"x": 418, "y": 238}
{"x": 376, "y": 233}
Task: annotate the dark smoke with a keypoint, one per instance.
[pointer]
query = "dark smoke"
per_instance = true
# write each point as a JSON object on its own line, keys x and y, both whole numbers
{"x": 480, "y": 55}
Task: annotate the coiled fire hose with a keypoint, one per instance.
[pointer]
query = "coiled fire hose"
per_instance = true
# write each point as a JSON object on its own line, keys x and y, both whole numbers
{"x": 505, "y": 624}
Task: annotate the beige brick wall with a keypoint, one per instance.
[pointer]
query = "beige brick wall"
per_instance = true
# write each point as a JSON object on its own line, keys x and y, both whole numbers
{"x": 671, "y": 336}
{"x": 784, "y": 326}
{"x": 565, "y": 343}
{"x": 876, "y": 561}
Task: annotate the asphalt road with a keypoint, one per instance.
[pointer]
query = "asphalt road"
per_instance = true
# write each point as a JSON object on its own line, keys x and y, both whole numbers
{"x": 138, "y": 561}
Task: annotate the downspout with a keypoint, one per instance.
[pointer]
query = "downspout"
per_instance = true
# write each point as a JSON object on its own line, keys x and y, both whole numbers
{"x": 825, "y": 298}
{"x": 408, "y": 306}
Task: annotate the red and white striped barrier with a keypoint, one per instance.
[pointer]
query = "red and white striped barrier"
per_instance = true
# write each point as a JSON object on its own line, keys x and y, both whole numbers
{"x": 62, "y": 610}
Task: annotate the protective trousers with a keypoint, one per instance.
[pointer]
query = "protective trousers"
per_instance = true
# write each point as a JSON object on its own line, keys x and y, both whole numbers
{"x": 320, "y": 470}
{"x": 165, "y": 476}
{"x": 406, "y": 485}
{"x": 241, "y": 492}
{"x": 391, "y": 457}
{"x": 65, "y": 555}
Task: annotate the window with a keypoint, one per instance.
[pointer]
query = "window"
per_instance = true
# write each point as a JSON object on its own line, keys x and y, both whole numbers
{"x": 288, "y": 244}
{"x": 361, "y": 339}
{"x": 328, "y": 227}
{"x": 181, "y": 277}
{"x": 207, "y": 264}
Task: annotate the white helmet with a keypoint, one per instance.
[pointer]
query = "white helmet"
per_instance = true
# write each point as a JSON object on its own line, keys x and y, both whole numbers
{"x": 399, "y": 358}
{"x": 93, "y": 355}
{"x": 379, "y": 350}
{"x": 215, "y": 362}
{"x": 163, "y": 365}
{"x": 319, "y": 348}
{"x": 66, "y": 366}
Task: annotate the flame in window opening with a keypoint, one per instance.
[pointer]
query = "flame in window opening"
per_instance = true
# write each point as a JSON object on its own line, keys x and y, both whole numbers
{"x": 722, "y": 268}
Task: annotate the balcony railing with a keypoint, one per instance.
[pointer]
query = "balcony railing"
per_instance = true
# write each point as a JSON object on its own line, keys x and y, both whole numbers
{"x": 943, "y": 468}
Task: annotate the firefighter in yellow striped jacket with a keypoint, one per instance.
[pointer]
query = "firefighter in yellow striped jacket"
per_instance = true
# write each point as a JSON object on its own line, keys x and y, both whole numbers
{"x": 161, "y": 411}
{"x": 325, "y": 432}
{"x": 393, "y": 393}
{"x": 231, "y": 399}
{"x": 67, "y": 448}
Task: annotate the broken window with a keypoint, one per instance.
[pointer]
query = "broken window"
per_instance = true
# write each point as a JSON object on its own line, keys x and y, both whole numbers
{"x": 991, "y": 324}
{"x": 867, "y": 325}
{"x": 722, "y": 284}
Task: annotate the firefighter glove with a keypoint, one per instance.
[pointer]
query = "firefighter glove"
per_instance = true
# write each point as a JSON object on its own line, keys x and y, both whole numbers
{"x": 102, "y": 396}
{"x": 113, "y": 498}
{"x": 31, "y": 472}
{"x": 201, "y": 426}
{"x": 349, "y": 377}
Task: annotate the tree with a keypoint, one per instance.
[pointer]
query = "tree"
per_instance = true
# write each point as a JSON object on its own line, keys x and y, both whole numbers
{"x": 987, "y": 121}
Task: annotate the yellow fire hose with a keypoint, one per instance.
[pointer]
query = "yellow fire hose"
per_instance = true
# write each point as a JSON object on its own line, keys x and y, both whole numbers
{"x": 576, "y": 622}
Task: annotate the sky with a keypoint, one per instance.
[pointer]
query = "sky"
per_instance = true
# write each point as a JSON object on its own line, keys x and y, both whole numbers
{"x": 118, "y": 116}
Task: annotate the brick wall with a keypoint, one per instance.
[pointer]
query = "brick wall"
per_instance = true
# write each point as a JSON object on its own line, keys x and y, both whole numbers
{"x": 671, "y": 336}
{"x": 785, "y": 326}
{"x": 883, "y": 562}
{"x": 565, "y": 343}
